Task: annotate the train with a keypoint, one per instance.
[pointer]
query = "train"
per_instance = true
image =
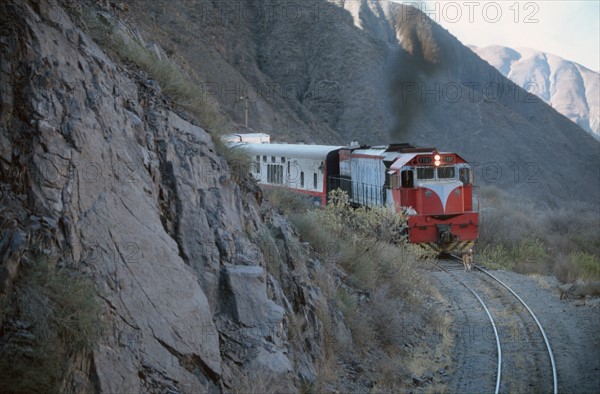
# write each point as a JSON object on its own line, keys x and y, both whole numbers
{"x": 434, "y": 189}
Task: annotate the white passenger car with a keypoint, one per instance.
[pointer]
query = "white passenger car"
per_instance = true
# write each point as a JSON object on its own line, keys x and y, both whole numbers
{"x": 303, "y": 168}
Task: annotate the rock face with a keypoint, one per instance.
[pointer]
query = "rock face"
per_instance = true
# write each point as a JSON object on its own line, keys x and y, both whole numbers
{"x": 97, "y": 169}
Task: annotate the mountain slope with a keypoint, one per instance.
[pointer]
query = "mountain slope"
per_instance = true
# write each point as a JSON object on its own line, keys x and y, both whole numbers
{"x": 518, "y": 141}
{"x": 568, "y": 87}
{"x": 376, "y": 72}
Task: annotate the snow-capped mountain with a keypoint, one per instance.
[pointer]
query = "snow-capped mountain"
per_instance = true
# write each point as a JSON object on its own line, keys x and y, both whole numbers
{"x": 572, "y": 89}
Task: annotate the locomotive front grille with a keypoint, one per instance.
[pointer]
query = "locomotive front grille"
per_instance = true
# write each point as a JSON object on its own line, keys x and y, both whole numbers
{"x": 445, "y": 235}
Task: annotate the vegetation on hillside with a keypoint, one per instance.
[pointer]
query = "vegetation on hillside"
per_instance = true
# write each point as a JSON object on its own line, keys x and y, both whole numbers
{"x": 517, "y": 235}
{"x": 175, "y": 81}
{"x": 380, "y": 288}
{"x": 55, "y": 316}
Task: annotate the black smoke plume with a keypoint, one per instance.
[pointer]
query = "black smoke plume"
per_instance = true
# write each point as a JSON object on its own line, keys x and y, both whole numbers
{"x": 410, "y": 68}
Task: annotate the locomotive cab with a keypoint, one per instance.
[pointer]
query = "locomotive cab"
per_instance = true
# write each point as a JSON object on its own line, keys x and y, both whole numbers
{"x": 438, "y": 187}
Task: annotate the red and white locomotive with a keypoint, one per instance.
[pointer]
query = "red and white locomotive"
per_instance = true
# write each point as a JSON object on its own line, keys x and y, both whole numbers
{"x": 434, "y": 188}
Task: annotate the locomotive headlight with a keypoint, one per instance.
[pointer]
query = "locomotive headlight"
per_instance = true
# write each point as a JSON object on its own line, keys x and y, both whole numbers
{"x": 437, "y": 158}
{"x": 437, "y": 163}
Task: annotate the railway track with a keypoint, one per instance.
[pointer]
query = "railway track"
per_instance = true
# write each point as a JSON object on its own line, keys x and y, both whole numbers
{"x": 524, "y": 357}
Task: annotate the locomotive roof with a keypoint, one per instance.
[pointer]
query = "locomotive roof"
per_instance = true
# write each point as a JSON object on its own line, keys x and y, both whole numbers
{"x": 402, "y": 160}
{"x": 261, "y": 138}
{"x": 315, "y": 152}
{"x": 407, "y": 157}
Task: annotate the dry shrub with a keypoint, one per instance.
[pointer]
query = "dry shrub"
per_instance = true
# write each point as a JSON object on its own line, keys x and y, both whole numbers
{"x": 525, "y": 257}
{"x": 578, "y": 266}
{"x": 392, "y": 376}
{"x": 386, "y": 323}
{"x": 260, "y": 382}
{"x": 382, "y": 285}
{"x": 237, "y": 159}
{"x": 327, "y": 367}
{"x": 288, "y": 201}
{"x": 504, "y": 220}
{"x": 55, "y": 314}
{"x": 516, "y": 234}
{"x": 174, "y": 81}
{"x": 328, "y": 247}
{"x": 271, "y": 253}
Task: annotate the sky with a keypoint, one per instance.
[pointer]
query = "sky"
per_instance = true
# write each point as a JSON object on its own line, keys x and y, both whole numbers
{"x": 569, "y": 29}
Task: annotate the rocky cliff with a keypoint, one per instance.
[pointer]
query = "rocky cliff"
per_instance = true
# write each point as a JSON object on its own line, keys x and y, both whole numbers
{"x": 103, "y": 177}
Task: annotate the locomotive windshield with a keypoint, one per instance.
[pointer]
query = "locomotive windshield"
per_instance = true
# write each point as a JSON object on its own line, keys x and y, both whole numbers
{"x": 440, "y": 173}
{"x": 425, "y": 172}
{"x": 465, "y": 176}
{"x": 445, "y": 172}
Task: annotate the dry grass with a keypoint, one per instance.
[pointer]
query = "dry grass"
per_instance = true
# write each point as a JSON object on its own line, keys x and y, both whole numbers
{"x": 287, "y": 201}
{"x": 55, "y": 315}
{"x": 271, "y": 253}
{"x": 176, "y": 83}
{"x": 516, "y": 234}
{"x": 578, "y": 266}
{"x": 237, "y": 159}
{"x": 261, "y": 382}
{"x": 382, "y": 284}
{"x": 327, "y": 367}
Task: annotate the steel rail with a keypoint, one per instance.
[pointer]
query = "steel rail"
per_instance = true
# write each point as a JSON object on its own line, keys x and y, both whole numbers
{"x": 489, "y": 315}
{"x": 548, "y": 347}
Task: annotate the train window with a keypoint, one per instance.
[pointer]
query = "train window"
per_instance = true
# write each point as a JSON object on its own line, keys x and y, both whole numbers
{"x": 408, "y": 179}
{"x": 394, "y": 180}
{"x": 257, "y": 166}
{"x": 283, "y": 159}
{"x": 302, "y": 179}
{"x": 465, "y": 176}
{"x": 265, "y": 159}
{"x": 257, "y": 158}
{"x": 448, "y": 159}
{"x": 272, "y": 159}
{"x": 425, "y": 173}
{"x": 275, "y": 174}
{"x": 446, "y": 172}
{"x": 288, "y": 170}
{"x": 315, "y": 181}
{"x": 425, "y": 160}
